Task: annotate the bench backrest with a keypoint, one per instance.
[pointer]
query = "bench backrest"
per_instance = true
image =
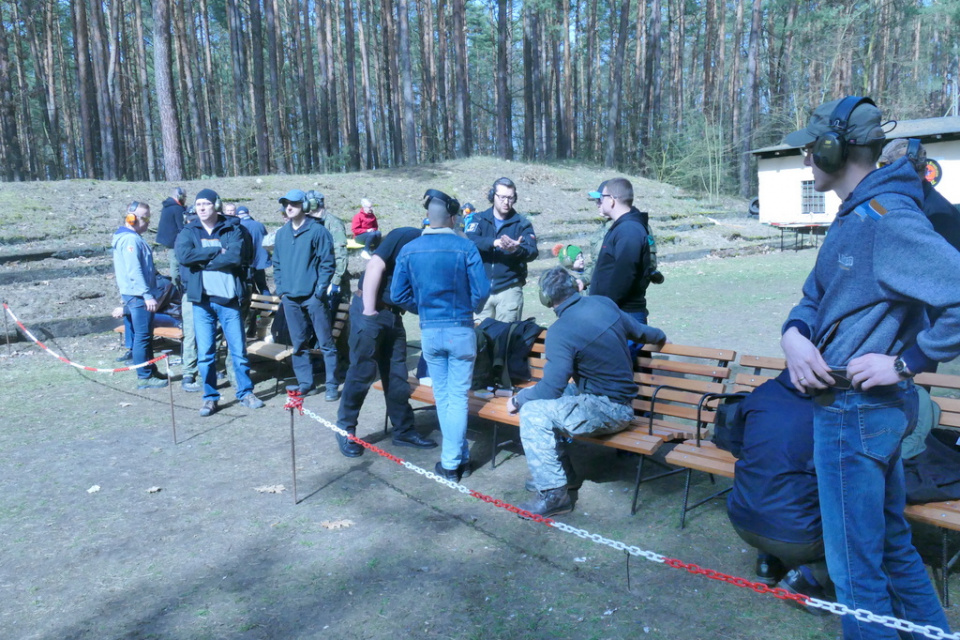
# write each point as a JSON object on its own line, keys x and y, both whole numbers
{"x": 268, "y": 306}
{"x": 762, "y": 369}
{"x": 944, "y": 389}
{"x": 673, "y": 379}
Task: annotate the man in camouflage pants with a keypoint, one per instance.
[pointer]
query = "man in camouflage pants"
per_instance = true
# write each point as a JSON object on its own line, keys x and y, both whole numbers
{"x": 599, "y": 399}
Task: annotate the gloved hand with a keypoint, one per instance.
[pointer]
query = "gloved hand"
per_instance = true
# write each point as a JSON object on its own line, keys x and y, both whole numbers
{"x": 333, "y": 290}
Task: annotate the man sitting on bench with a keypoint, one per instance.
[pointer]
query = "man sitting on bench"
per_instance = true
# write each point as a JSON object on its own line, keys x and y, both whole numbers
{"x": 600, "y": 399}
{"x": 774, "y": 504}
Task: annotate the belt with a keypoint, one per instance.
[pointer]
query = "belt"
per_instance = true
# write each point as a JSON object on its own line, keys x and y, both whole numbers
{"x": 841, "y": 382}
{"x": 380, "y": 306}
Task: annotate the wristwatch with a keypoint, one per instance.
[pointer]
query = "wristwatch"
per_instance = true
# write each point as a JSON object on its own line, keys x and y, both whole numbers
{"x": 901, "y": 368}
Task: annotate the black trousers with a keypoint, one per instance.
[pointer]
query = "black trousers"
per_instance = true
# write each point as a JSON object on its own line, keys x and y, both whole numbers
{"x": 376, "y": 342}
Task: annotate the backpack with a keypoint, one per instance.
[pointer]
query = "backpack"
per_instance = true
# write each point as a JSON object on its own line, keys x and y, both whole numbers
{"x": 509, "y": 344}
{"x": 650, "y": 271}
{"x": 729, "y": 424}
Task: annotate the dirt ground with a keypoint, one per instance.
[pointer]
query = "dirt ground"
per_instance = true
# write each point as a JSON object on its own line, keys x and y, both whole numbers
{"x": 180, "y": 540}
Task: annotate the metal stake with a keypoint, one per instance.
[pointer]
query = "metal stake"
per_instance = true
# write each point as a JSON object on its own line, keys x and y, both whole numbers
{"x": 6, "y": 330}
{"x": 173, "y": 418}
{"x": 628, "y": 569}
{"x": 293, "y": 444}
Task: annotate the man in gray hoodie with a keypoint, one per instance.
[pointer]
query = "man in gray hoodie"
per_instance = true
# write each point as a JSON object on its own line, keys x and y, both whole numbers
{"x": 854, "y": 342}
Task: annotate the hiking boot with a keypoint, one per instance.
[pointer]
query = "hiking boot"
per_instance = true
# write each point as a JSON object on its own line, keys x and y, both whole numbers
{"x": 465, "y": 469}
{"x": 770, "y": 569}
{"x": 548, "y": 503}
{"x": 574, "y": 482}
{"x": 209, "y": 408}
{"x": 126, "y": 357}
{"x": 332, "y": 394}
{"x": 348, "y": 447}
{"x": 801, "y": 581}
{"x": 310, "y": 390}
{"x": 190, "y": 384}
{"x": 251, "y": 401}
{"x": 153, "y": 382}
{"x": 453, "y": 475}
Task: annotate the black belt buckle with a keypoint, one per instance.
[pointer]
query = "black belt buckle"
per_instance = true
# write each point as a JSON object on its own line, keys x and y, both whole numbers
{"x": 841, "y": 382}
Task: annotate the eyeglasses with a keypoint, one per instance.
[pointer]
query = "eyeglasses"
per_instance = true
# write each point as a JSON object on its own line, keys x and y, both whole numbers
{"x": 506, "y": 198}
{"x": 807, "y": 151}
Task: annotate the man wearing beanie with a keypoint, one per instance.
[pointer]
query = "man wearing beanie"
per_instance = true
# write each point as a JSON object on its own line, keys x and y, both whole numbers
{"x": 216, "y": 253}
{"x": 440, "y": 276}
{"x": 303, "y": 266}
{"x": 574, "y": 263}
{"x": 856, "y": 339}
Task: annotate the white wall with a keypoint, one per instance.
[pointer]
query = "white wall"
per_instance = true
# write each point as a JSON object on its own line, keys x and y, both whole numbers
{"x": 780, "y": 193}
{"x": 947, "y": 154}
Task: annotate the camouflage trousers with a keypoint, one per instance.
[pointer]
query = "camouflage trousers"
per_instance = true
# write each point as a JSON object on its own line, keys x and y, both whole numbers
{"x": 571, "y": 414}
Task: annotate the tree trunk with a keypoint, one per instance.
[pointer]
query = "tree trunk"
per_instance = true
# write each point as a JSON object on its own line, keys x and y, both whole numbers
{"x": 406, "y": 76}
{"x": 147, "y": 114}
{"x": 333, "y": 121}
{"x": 353, "y": 128}
{"x": 504, "y": 115}
{"x": 210, "y": 103}
{"x": 261, "y": 126}
{"x": 169, "y": 123}
{"x": 428, "y": 70}
{"x": 312, "y": 138}
{"x": 613, "y": 114}
{"x": 280, "y": 160}
{"x": 188, "y": 57}
{"x": 530, "y": 61}
{"x": 443, "y": 79}
{"x": 98, "y": 54}
{"x": 464, "y": 121}
{"x": 373, "y": 151}
{"x": 750, "y": 100}
{"x": 13, "y": 158}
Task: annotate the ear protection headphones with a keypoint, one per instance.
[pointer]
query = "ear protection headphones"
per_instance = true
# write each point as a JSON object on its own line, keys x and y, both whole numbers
{"x": 545, "y": 299}
{"x": 830, "y": 150}
{"x": 913, "y": 150}
{"x": 307, "y": 204}
{"x": 452, "y": 204}
{"x": 218, "y": 205}
{"x": 181, "y": 195}
{"x": 505, "y": 182}
{"x": 132, "y": 212}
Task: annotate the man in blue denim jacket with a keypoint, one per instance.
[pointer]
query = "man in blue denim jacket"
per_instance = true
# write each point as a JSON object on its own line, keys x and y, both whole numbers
{"x": 440, "y": 277}
{"x": 854, "y": 342}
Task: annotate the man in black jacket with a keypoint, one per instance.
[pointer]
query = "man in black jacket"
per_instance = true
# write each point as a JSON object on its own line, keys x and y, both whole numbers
{"x": 622, "y": 263}
{"x": 600, "y": 398}
{"x": 506, "y": 242}
{"x": 215, "y": 253}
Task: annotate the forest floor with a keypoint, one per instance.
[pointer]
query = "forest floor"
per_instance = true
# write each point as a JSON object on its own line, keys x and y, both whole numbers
{"x": 113, "y": 529}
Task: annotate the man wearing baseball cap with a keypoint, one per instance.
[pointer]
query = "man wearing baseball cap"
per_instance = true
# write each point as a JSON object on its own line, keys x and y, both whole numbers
{"x": 854, "y": 342}
{"x": 303, "y": 265}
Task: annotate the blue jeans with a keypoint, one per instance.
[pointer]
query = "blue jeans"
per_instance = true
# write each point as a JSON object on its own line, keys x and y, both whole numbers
{"x": 871, "y": 558}
{"x": 205, "y": 317}
{"x": 450, "y": 353}
{"x": 138, "y": 327}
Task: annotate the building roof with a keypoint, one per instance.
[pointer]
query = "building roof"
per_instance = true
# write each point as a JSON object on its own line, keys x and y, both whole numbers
{"x": 927, "y": 129}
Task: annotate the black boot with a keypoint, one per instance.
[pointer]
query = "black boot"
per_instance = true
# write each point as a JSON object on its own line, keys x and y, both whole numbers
{"x": 770, "y": 569}
{"x": 348, "y": 447}
{"x": 549, "y": 503}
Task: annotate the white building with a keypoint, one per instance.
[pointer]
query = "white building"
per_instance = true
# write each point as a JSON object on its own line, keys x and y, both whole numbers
{"x": 787, "y": 198}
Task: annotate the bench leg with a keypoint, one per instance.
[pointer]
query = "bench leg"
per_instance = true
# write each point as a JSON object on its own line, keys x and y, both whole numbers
{"x": 944, "y": 570}
{"x": 686, "y": 496}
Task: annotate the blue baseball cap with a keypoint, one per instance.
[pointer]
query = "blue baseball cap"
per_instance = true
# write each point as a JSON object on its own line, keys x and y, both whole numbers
{"x": 295, "y": 196}
{"x": 596, "y": 195}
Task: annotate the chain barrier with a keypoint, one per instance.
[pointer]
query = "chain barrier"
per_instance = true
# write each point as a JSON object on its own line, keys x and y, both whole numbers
{"x": 47, "y": 349}
{"x": 781, "y": 594}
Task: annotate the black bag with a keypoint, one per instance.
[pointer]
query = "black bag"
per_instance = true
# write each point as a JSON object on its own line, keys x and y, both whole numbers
{"x": 729, "y": 424}
{"x": 509, "y": 344}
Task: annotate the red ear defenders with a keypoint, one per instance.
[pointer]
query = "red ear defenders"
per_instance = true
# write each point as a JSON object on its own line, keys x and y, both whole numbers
{"x": 452, "y": 204}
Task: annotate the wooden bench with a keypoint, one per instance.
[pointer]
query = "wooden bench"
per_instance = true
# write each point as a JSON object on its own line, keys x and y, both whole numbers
{"x": 167, "y": 333}
{"x": 266, "y": 348}
{"x": 700, "y": 454}
{"x": 671, "y": 382}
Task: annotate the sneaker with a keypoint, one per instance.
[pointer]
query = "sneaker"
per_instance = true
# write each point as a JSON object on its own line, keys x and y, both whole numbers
{"x": 190, "y": 384}
{"x": 465, "y": 469}
{"x": 332, "y": 395}
{"x": 365, "y": 254}
{"x": 152, "y": 382}
{"x": 548, "y": 503}
{"x": 251, "y": 401}
{"x": 209, "y": 408}
{"x": 126, "y": 357}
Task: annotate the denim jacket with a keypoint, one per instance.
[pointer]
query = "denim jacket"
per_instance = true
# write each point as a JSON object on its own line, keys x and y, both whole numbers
{"x": 440, "y": 277}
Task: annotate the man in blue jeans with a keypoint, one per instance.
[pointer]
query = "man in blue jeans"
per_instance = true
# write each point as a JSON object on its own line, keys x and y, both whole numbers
{"x": 854, "y": 342}
{"x": 440, "y": 276}
{"x": 137, "y": 281}
{"x": 216, "y": 253}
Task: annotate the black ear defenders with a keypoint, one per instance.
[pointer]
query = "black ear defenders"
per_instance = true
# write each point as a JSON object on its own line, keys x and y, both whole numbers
{"x": 452, "y": 204}
{"x": 831, "y": 148}
{"x": 181, "y": 195}
{"x": 913, "y": 150}
{"x": 505, "y": 182}
{"x": 545, "y": 299}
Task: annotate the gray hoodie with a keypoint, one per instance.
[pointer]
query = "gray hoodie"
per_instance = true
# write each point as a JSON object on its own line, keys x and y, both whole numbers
{"x": 879, "y": 267}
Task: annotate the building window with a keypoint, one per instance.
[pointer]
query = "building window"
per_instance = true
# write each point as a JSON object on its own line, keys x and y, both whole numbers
{"x": 812, "y": 201}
